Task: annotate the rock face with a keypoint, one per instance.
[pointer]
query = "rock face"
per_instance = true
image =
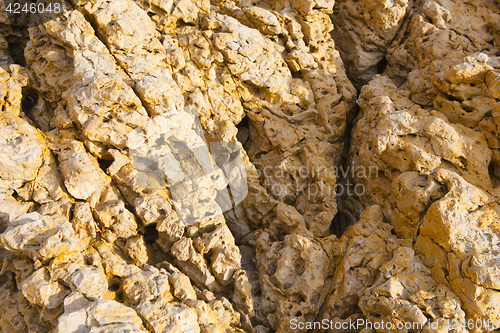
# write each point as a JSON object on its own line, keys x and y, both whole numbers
{"x": 395, "y": 37}
{"x": 381, "y": 278}
{"x": 438, "y": 187}
{"x": 188, "y": 166}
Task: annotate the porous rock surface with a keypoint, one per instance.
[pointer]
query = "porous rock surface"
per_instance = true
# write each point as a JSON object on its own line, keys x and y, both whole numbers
{"x": 93, "y": 240}
{"x": 395, "y": 37}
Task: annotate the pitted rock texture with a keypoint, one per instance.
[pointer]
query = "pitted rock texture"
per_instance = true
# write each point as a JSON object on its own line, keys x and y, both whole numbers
{"x": 396, "y": 37}
{"x": 381, "y": 278}
{"x": 127, "y": 129}
{"x": 437, "y": 183}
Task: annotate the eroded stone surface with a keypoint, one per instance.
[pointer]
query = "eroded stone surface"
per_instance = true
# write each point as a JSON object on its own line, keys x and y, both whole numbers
{"x": 219, "y": 94}
{"x": 396, "y": 37}
{"x": 381, "y": 279}
{"x": 438, "y": 186}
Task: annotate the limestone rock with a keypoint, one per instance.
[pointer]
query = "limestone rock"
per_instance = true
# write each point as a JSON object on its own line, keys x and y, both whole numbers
{"x": 83, "y": 223}
{"x": 444, "y": 29}
{"x": 11, "y": 208}
{"x": 399, "y": 137}
{"x": 186, "y": 166}
{"x": 430, "y": 166}
{"x": 81, "y": 315}
{"x": 364, "y": 30}
{"x": 396, "y": 37}
{"x": 22, "y": 152}
{"x": 39, "y": 236}
{"x": 13, "y": 78}
{"x": 381, "y": 279}
{"x": 81, "y": 172}
{"x": 136, "y": 249}
{"x": 39, "y": 290}
{"x": 297, "y": 268}
{"x": 18, "y": 314}
{"x": 472, "y": 81}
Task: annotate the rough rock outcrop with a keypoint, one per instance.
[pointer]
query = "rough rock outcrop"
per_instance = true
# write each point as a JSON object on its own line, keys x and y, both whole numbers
{"x": 187, "y": 166}
{"x": 380, "y": 278}
{"x": 436, "y": 182}
{"x": 396, "y": 37}
{"x": 113, "y": 84}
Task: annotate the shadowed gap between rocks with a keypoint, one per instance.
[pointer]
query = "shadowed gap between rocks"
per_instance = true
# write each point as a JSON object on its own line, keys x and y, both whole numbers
{"x": 346, "y": 215}
{"x": 16, "y": 49}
